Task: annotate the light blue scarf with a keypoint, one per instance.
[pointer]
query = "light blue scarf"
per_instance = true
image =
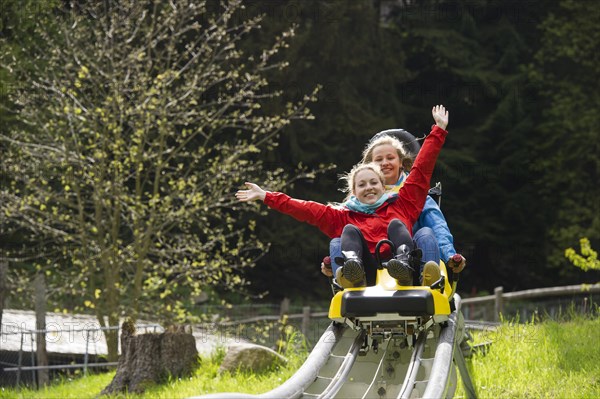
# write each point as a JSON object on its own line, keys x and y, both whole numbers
{"x": 355, "y": 205}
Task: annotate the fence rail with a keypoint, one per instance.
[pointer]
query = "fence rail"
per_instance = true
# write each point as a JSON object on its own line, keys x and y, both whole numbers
{"x": 22, "y": 367}
{"x": 500, "y": 298}
{"x": 305, "y": 316}
{"x": 62, "y": 366}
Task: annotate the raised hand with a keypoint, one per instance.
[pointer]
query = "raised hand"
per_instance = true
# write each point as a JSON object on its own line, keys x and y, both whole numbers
{"x": 440, "y": 116}
{"x": 253, "y": 193}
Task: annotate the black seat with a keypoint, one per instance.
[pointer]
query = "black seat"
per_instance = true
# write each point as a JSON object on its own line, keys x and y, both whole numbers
{"x": 403, "y": 302}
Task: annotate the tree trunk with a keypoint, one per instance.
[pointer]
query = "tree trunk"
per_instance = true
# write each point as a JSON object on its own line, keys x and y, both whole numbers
{"x": 112, "y": 343}
{"x": 150, "y": 358}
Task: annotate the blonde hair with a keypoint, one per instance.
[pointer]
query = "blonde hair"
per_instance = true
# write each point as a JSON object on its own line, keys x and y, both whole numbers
{"x": 351, "y": 176}
{"x": 406, "y": 158}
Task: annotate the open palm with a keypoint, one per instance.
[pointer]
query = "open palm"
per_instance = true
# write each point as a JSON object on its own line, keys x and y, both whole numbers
{"x": 440, "y": 116}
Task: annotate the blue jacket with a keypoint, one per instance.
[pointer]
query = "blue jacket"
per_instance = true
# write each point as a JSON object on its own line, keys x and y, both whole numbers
{"x": 432, "y": 217}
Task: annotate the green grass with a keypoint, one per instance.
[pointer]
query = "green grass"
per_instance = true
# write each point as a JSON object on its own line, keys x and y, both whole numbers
{"x": 206, "y": 379}
{"x": 539, "y": 360}
{"x": 532, "y": 360}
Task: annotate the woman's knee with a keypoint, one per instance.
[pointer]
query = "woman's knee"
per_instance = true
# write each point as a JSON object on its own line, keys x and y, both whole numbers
{"x": 424, "y": 233}
{"x": 398, "y": 234}
{"x": 335, "y": 252}
{"x": 397, "y": 224}
{"x": 351, "y": 229}
{"x": 425, "y": 239}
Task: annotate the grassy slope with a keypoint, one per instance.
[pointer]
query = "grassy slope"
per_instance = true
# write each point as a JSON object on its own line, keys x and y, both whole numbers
{"x": 546, "y": 360}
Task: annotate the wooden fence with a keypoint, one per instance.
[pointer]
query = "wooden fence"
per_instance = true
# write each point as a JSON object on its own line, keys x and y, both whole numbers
{"x": 498, "y": 303}
{"x": 306, "y": 317}
{"x": 500, "y": 299}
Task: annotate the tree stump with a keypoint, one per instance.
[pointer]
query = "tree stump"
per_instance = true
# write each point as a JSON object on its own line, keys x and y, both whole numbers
{"x": 150, "y": 358}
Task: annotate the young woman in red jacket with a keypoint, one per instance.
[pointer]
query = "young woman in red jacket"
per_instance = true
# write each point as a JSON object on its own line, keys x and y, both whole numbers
{"x": 371, "y": 215}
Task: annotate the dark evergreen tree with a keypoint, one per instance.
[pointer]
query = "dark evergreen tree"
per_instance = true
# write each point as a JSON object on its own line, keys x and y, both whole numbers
{"x": 468, "y": 56}
{"x": 566, "y": 71}
{"x": 341, "y": 46}
{"x": 386, "y": 70}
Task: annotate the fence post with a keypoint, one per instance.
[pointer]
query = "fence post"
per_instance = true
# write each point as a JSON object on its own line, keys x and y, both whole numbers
{"x": 284, "y": 311}
{"x": 40, "y": 325}
{"x": 284, "y": 308}
{"x": 305, "y": 320}
{"x": 498, "y": 303}
{"x": 85, "y": 356}
{"x": 20, "y": 361}
{"x": 3, "y": 290}
{"x": 34, "y": 380}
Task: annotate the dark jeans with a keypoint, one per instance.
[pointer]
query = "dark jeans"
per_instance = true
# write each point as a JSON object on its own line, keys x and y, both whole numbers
{"x": 425, "y": 239}
{"x": 353, "y": 241}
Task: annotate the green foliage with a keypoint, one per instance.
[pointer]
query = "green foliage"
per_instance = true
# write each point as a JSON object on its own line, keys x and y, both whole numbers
{"x": 588, "y": 258}
{"x": 134, "y": 131}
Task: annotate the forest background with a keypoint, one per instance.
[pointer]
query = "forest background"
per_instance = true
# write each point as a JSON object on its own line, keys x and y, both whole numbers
{"x": 520, "y": 168}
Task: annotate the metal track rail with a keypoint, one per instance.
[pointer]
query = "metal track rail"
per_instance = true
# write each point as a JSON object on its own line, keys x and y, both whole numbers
{"x": 413, "y": 367}
{"x": 335, "y": 368}
{"x": 295, "y": 386}
{"x": 342, "y": 374}
{"x": 442, "y": 380}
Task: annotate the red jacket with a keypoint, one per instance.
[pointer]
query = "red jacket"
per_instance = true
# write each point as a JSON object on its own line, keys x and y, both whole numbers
{"x": 407, "y": 206}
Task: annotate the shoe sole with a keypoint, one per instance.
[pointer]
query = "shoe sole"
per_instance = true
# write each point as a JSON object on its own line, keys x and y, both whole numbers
{"x": 431, "y": 273}
{"x": 400, "y": 272}
{"x": 341, "y": 280}
{"x": 353, "y": 271}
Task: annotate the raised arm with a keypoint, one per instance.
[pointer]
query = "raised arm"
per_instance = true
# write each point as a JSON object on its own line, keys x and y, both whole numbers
{"x": 414, "y": 192}
{"x": 440, "y": 116}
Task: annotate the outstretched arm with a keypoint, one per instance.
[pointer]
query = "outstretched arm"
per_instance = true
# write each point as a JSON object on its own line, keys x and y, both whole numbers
{"x": 253, "y": 193}
{"x": 329, "y": 220}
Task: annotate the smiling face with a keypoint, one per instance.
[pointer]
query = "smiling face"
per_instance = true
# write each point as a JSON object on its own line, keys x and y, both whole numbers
{"x": 386, "y": 156}
{"x": 368, "y": 187}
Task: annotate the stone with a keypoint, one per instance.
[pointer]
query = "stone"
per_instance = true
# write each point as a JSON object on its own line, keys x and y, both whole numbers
{"x": 247, "y": 356}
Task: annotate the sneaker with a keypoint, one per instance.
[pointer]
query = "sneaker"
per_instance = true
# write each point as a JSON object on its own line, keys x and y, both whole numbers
{"x": 353, "y": 271}
{"x": 341, "y": 280}
{"x": 401, "y": 271}
{"x": 431, "y": 273}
